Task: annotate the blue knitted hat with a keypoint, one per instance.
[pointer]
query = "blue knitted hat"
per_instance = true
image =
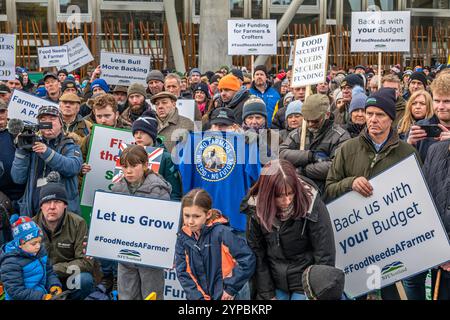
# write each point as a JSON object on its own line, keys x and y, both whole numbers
{"x": 24, "y": 229}
{"x": 294, "y": 107}
{"x": 100, "y": 83}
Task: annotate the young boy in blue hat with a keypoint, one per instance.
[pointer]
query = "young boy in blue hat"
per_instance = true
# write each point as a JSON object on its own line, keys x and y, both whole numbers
{"x": 25, "y": 269}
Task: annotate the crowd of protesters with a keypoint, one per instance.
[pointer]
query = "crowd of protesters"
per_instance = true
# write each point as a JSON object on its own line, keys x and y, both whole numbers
{"x": 354, "y": 131}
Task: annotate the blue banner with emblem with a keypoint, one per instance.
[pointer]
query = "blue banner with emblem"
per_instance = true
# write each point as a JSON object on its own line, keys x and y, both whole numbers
{"x": 224, "y": 165}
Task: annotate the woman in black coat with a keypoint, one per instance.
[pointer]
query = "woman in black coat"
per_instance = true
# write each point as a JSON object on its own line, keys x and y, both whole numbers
{"x": 289, "y": 229}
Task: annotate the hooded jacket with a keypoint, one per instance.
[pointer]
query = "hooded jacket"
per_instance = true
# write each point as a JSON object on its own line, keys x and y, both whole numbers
{"x": 154, "y": 186}
{"x": 26, "y": 276}
{"x": 326, "y": 142}
{"x": 236, "y": 104}
{"x": 218, "y": 261}
{"x": 62, "y": 155}
{"x": 283, "y": 253}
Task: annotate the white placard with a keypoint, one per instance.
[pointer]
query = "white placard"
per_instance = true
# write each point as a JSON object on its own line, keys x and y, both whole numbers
{"x": 310, "y": 60}
{"x": 102, "y": 156}
{"x": 79, "y": 54}
{"x": 381, "y": 31}
{"x": 252, "y": 37}
{"x": 134, "y": 229}
{"x": 186, "y": 108}
{"x": 25, "y": 106}
{"x": 172, "y": 287}
{"x": 391, "y": 235}
{"x": 8, "y": 56}
{"x": 53, "y": 56}
{"x": 124, "y": 69}
{"x": 291, "y": 56}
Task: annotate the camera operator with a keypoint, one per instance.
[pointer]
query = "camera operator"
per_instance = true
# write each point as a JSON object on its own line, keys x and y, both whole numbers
{"x": 11, "y": 190}
{"x": 53, "y": 151}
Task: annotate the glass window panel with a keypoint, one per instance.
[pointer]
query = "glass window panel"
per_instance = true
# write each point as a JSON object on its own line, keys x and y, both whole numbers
{"x": 349, "y": 7}
{"x": 428, "y": 4}
{"x": 124, "y": 2}
{"x": 386, "y": 5}
{"x": 288, "y": 2}
{"x": 2, "y": 6}
{"x": 237, "y": 8}
{"x": 65, "y": 4}
{"x": 125, "y": 17}
{"x": 257, "y": 9}
{"x": 37, "y": 11}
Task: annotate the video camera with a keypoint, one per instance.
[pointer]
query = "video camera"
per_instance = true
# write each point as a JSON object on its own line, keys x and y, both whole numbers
{"x": 26, "y": 133}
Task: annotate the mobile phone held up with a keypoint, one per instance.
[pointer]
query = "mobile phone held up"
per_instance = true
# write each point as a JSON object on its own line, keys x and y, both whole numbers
{"x": 432, "y": 130}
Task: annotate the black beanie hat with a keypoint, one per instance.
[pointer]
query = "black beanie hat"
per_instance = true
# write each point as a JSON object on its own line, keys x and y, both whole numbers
{"x": 238, "y": 73}
{"x": 53, "y": 190}
{"x": 261, "y": 68}
{"x": 419, "y": 76}
{"x": 322, "y": 282}
{"x": 352, "y": 80}
{"x": 146, "y": 124}
{"x": 385, "y": 100}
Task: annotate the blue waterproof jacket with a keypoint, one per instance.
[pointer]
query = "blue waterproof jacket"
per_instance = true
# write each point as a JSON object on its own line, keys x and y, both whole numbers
{"x": 63, "y": 156}
{"x": 271, "y": 97}
{"x": 26, "y": 276}
{"x": 219, "y": 260}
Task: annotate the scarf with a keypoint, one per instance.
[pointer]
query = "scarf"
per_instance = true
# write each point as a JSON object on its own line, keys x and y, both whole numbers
{"x": 202, "y": 107}
{"x": 285, "y": 214}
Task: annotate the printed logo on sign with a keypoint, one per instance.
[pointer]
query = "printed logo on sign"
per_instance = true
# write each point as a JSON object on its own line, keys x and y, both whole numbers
{"x": 393, "y": 269}
{"x": 215, "y": 158}
{"x": 380, "y": 46}
{"x": 252, "y": 50}
{"x": 128, "y": 254}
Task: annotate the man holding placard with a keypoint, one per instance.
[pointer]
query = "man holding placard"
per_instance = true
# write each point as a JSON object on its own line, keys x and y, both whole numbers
{"x": 323, "y": 138}
{"x": 369, "y": 154}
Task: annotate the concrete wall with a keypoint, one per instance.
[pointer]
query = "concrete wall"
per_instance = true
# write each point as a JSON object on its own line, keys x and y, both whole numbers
{"x": 213, "y": 35}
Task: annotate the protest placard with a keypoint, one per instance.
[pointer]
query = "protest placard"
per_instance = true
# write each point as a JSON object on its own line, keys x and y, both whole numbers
{"x": 172, "y": 287}
{"x": 134, "y": 229}
{"x": 381, "y": 31}
{"x": 102, "y": 156}
{"x": 252, "y": 37}
{"x": 8, "y": 56}
{"x": 25, "y": 106}
{"x": 291, "y": 56}
{"x": 186, "y": 108}
{"x": 124, "y": 69}
{"x": 310, "y": 60}
{"x": 53, "y": 56}
{"x": 79, "y": 54}
{"x": 391, "y": 235}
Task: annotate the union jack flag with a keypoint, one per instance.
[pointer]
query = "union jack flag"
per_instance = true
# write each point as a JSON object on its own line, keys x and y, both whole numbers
{"x": 154, "y": 160}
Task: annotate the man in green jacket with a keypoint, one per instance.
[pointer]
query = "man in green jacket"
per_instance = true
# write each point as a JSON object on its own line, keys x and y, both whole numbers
{"x": 376, "y": 149}
{"x": 65, "y": 237}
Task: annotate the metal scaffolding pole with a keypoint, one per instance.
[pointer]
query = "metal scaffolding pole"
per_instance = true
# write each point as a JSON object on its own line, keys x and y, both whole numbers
{"x": 282, "y": 25}
{"x": 174, "y": 35}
